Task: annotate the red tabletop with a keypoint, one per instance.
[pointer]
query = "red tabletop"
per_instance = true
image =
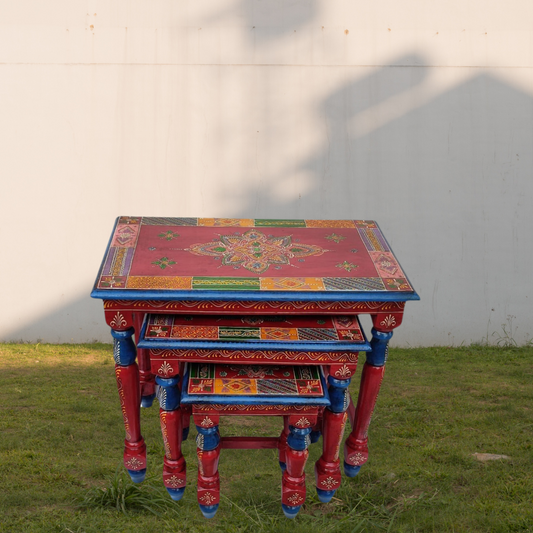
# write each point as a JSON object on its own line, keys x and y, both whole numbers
{"x": 176, "y": 257}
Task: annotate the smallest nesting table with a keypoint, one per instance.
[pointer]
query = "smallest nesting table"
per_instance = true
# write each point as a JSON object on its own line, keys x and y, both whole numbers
{"x": 175, "y": 269}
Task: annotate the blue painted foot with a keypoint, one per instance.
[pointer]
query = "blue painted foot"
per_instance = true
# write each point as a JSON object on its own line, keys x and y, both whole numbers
{"x": 147, "y": 401}
{"x": 283, "y": 466}
{"x": 137, "y": 476}
{"x": 351, "y": 471}
{"x": 325, "y": 495}
{"x": 289, "y": 511}
{"x": 315, "y": 435}
{"x": 209, "y": 510}
{"x": 176, "y": 494}
{"x": 185, "y": 433}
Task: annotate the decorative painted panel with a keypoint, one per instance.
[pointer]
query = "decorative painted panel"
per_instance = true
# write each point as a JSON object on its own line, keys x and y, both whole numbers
{"x": 245, "y": 255}
{"x": 260, "y": 328}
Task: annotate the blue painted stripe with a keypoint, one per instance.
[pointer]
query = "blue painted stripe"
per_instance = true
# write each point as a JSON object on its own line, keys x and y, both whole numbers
{"x": 255, "y": 296}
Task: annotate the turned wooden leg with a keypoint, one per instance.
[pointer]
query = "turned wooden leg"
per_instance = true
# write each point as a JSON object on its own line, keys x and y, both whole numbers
{"x": 127, "y": 374}
{"x": 208, "y": 451}
{"x": 282, "y": 444}
{"x": 293, "y": 481}
{"x": 317, "y": 430}
{"x": 185, "y": 420}
{"x": 356, "y": 446}
{"x": 327, "y": 468}
{"x": 174, "y": 468}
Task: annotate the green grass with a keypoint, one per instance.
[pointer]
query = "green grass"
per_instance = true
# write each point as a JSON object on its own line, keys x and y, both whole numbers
{"x": 61, "y": 443}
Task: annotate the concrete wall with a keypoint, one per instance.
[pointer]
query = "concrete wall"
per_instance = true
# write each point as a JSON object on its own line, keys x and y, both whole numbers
{"x": 418, "y": 114}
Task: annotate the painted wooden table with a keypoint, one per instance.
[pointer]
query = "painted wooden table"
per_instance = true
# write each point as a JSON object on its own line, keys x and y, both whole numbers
{"x": 193, "y": 269}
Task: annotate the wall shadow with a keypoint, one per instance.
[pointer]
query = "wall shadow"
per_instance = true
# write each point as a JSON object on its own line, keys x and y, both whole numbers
{"x": 457, "y": 209}
{"x": 81, "y": 320}
{"x": 458, "y": 224}
{"x": 473, "y": 204}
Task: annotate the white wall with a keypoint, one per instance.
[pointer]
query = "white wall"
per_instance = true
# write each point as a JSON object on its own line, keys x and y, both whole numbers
{"x": 418, "y": 114}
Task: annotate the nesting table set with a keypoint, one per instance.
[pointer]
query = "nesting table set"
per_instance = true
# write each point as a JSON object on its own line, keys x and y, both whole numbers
{"x": 250, "y": 317}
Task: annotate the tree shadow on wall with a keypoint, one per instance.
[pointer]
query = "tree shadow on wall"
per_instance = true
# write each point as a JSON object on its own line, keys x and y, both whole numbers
{"x": 413, "y": 174}
{"x": 415, "y": 157}
{"x": 448, "y": 179}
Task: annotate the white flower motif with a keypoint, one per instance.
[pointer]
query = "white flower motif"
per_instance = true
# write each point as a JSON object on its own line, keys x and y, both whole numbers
{"x": 118, "y": 321}
{"x": 329, "y": 483}
{"x": 208, "y": 498}
{"x": 295, "y": 499}
{"x": 207, "y": 422}
{"x": 357, "y": 459}
{"x": 343, "y": 372}
{"x": 165, "y": 369}
{"x": 174, "y": 482}
{"x": 303, "y": 422}
{"x": 388, "y": 321}
{"x": 133, "y": 463}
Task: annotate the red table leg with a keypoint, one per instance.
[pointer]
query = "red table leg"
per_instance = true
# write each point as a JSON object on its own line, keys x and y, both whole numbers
{"x": 127, "y": 374}
{"x": 174, "y": 467}
{"x": 327, "y": 468}
{"x": 208, "y": 451}
{"x": 296, "y": 453}
{"x": 356, "y": 446}
{"x": 282, "y": 444}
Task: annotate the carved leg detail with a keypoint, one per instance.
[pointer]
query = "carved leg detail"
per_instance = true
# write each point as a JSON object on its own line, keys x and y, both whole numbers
{"x": 208, "y": 451}
{"x": 174, "y": 467}
{"x": 327, "y": 468}
{"x": 127, "y": 374}
{"x": 356, "y": 446}
{"x": 293, "y": 481}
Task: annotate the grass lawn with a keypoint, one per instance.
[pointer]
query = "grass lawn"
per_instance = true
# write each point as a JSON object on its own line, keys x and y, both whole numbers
{"x": 61, "y": 442}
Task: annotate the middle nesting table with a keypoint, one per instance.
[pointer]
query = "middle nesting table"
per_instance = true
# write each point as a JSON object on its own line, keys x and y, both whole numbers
{"x": 298, "y": 367}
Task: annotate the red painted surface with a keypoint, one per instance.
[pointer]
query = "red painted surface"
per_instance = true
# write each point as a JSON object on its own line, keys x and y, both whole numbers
{"x": 254, "y": 327}
{"x": 208, "y": 489}
{"x": 293, "y": 480}
{"x": 129, "y": 395}
{"x": 356, "y": 446}
{"x": 165, "y": 255}
{"x": 327, "y": 468}
{"x": 249, "y": 443}
{"x": 221, "y": 307}
{"x": 174, "y": 468}
{"x": 146, "y": 377}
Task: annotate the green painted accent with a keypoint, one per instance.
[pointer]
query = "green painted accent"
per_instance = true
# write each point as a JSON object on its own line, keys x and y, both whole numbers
{"x": 202, "y": 371}
{"x": 226, "y": 284}
{"x": 303, "y": 373}
{"x": 168, "y": 235}
{"x": 263, "y": 222}
{"x": 238, "y": 334}
{"x": 335, "y": 237}
{"x": 347, "y": 266}
{"x": 164, "y": 262}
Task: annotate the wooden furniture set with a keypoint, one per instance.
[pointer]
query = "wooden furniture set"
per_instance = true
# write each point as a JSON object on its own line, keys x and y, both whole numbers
{"x": 250, "y": 317}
